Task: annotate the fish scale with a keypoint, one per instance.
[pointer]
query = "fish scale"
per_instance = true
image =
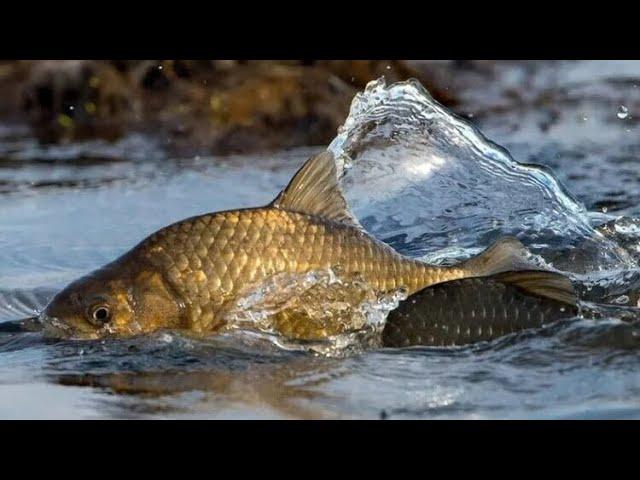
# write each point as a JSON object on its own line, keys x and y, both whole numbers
{"x": 469, "y": 310}
{"x": 271, "y": 241}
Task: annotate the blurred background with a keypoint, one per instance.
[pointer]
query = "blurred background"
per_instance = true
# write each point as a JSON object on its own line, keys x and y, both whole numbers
{"x": 577, "y": 117}
{"x": 233, "y": 106}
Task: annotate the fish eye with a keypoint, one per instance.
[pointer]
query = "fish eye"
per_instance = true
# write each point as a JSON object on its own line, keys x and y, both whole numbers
{"x": 99, "y": 314}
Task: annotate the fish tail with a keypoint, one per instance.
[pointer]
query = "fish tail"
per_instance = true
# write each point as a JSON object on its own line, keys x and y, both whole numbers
{"x": 507, "y": 261}
{"x": 546, "y": 285}
{"x": 505, "y": 255}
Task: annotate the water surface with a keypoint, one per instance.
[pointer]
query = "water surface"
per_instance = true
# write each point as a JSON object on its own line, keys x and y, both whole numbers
{"x": 418, "y": 178}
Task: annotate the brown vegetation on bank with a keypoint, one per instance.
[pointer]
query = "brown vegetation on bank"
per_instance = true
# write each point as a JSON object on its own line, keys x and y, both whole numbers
{"x": 200, "y": 106}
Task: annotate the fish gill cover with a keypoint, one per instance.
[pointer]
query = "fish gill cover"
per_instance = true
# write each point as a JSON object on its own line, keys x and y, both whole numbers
{"x": 430, "y": 184}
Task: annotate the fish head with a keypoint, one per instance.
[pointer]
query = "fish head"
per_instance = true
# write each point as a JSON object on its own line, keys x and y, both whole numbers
{"x": 113, "y": 301}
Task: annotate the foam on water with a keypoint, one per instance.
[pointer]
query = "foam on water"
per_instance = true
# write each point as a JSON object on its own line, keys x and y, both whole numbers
{"x": 323, "y": 311}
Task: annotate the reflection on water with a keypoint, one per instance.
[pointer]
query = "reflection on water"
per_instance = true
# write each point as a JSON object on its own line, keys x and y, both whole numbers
{"x": 575, "y": 368}
{"x": 171, "y": 374}
{"x": 68, "y": 209}
{"x": 287, "y": 391}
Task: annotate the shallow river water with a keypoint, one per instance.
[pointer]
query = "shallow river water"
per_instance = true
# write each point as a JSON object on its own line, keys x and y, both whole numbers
{"x": 418, "y": 178}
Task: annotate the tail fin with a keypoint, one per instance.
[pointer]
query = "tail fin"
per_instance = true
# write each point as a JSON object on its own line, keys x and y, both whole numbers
{"x": 542, "y": 284}
{"x": 507, "y": 254}
{"x": 507, "y": 261}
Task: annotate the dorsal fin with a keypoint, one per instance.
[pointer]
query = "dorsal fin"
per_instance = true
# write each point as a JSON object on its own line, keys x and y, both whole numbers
{"x": 314, "y": 190}
{"x": 542, "y": 284}
{"x": 506, "y": 254}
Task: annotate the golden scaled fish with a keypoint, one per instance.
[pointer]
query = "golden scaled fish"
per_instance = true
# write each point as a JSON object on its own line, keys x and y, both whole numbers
{"x": 188, "y": 274}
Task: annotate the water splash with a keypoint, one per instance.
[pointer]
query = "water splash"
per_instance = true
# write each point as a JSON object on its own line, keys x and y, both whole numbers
{"x": 324, "y": 311}
{"x": 22, "y": 303}
{"x": 623, "y": 112}
{"x": 431, "y": 185}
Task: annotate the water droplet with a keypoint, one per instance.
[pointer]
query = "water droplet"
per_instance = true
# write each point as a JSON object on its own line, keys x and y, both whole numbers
{"x": 623, "y": 112}
{"x": 622, "y": 300}
{"x": 165, "y": 338}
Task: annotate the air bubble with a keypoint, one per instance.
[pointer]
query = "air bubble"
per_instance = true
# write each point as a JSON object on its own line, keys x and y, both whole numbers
{"x": 623, "y": 112}
{"x": 622, "y": 300}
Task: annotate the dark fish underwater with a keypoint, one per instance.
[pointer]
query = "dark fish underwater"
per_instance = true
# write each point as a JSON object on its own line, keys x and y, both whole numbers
{"x": 190, "y": 274}
{"x": 470, "y": 310}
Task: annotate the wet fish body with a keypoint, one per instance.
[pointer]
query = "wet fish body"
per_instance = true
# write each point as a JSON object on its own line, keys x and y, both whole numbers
{"x": 212, "y": 259}
{"x": 470, "y": 310}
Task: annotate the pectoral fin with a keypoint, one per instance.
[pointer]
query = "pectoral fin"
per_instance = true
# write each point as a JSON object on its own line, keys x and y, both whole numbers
{"x": 549, "y": 285}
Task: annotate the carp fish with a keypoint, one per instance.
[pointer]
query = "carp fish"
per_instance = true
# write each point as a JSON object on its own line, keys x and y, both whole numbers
{"x": 470, "y": 310}
{"x": 189, "y": 274}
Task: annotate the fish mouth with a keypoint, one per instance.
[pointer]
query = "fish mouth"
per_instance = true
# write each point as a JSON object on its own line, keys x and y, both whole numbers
{"x": 25, "y": 325}
{"x": 55, "y": 328}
